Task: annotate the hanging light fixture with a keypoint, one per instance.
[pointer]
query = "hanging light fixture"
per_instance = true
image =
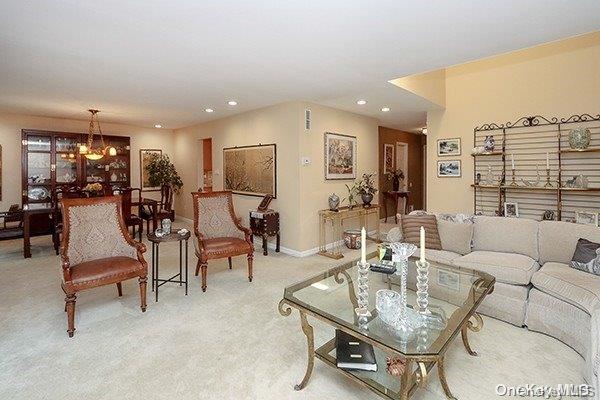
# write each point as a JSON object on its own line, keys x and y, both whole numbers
{"x": 87, "y": 150}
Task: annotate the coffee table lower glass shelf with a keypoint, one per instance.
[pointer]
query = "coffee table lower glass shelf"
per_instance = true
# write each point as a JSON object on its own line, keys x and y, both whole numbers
{"x": 331, "y": 298}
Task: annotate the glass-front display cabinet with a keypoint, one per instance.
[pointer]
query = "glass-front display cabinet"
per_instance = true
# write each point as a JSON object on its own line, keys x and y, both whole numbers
{"x": 51, "y": 160}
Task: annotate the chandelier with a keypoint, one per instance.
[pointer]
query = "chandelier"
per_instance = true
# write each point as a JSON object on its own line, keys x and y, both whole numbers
{"x": 87, "y": 150}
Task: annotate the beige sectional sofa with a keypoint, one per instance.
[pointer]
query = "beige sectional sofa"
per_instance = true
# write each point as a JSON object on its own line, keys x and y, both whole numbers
{"x": 535, "y": 286}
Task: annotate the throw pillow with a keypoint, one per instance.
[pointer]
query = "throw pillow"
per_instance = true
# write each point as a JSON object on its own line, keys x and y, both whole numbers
{"x": 587, "y": 256}
{"x": 455, "y": 236}
{"x": 411, "y": 230}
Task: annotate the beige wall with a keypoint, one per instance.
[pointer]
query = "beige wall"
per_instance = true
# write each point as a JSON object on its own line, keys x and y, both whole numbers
{"x": 301, "y": 190}
{"x": 557, "y": 79}
{"x": 10, "y": 139}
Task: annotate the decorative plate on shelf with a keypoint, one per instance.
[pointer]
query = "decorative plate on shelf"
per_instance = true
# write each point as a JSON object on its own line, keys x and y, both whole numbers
{"x": 38, "y": 193}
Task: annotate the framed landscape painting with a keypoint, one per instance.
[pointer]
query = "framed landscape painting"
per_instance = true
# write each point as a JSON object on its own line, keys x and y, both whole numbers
{"x": 251, "y": 170}
{"x": 448, "y": 147}
{"x": 145, "y": 157}
{"x": 388, "y": 158}
{"x": 449, "y": 169}
{"x": 340, "y": 156}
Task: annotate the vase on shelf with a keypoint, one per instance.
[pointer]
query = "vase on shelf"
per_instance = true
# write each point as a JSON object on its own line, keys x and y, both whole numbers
{"x": 579, "y": 139}
{"x": 489, "y": 143}
{"x": 367, "y": 198}
{"x": 334, "y": 202}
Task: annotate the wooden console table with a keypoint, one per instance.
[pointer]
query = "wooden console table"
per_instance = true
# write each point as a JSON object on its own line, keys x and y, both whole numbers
{"x": 336, "y": 220}
{"x": 395, "y": 196}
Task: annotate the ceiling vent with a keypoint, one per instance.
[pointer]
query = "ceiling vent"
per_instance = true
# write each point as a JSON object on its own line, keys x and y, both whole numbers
{"x": 307, "y": 115}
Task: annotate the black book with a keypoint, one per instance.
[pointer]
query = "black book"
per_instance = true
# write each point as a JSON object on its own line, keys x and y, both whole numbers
{"x": 352, "y": 353}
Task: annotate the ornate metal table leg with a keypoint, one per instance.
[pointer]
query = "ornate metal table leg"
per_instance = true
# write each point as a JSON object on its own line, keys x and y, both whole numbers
{"x": 310, "y": 341}
{"x": 406, "y": 380}
{"x": 442, "y": 376}
{"x": 472, "y": 327}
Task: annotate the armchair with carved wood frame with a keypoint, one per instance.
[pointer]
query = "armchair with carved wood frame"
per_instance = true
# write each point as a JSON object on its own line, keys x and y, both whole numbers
{"x": 219, "y": 233}
{"x": 97, "y": 250}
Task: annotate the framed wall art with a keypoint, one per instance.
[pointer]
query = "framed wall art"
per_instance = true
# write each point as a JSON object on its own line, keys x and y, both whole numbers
{"x": 251, "y": 170}
{"x": 448, "y": 147}
{"x": 511, "y": 209}
{"x": 145, "y": 157}
{"x": 388, "y": 158}
{"x": 586, "y": 217}
{"x": 449, "y": 169}
{"x": 340, "y": 156}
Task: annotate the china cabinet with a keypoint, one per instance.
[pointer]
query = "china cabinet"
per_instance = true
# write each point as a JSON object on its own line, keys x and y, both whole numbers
{"x": 51, "y": 160}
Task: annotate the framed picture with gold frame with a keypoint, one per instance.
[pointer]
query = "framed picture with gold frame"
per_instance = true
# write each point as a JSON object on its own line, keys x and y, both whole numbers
{"x": 145, "y": 157}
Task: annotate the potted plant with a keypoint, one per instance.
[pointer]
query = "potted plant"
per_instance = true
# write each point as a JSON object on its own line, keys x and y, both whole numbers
{"x": 352, "y": 193}
{"x": 162, "y": 172}
{"x": 396, "y": 176}
{"x": 366, "y": 189}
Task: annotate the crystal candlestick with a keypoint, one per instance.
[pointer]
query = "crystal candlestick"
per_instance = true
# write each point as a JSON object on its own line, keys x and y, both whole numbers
{"x": 401, "y": 252}
{"x": 513, "y": 182}
{"x": 362, "y": 311}
{"x": 423, "y": 287}
{"x": 548, "y": 183}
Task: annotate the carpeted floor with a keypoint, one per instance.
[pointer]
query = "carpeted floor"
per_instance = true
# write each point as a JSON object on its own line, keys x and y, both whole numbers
{"x": 227, "y": 343}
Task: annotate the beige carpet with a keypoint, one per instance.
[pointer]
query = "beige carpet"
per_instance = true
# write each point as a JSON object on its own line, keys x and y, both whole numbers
{"x": 227, "y": 343}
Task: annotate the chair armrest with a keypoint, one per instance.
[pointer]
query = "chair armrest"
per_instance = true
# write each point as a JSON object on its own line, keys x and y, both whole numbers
{"x": 247, "y": 231}
{"x": 199, "y": 242}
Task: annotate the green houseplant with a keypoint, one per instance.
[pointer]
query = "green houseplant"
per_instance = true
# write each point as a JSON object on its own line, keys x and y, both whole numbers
{"x": 162, "y": 172}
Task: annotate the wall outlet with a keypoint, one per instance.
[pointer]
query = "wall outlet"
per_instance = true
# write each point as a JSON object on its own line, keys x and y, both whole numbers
{"x": 305, "y": 161}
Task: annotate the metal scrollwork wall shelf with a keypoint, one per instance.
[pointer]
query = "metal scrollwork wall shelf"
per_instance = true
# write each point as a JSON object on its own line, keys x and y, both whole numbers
{"x": 535, "y": 142}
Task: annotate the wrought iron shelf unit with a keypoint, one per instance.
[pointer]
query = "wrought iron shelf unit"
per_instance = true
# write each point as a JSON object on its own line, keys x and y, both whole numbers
{"x": 536, "y": 142}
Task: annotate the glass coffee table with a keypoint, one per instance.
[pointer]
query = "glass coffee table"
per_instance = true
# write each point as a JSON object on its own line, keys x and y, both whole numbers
{"x": 403, "y": 362}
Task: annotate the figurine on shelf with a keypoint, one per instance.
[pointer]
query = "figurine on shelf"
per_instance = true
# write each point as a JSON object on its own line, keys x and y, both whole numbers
{"x": 489, "y": 143}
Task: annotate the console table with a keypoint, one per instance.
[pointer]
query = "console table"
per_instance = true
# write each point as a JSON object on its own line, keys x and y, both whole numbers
{"x": 395, "y": 196}
{"x": 335, "y": 219}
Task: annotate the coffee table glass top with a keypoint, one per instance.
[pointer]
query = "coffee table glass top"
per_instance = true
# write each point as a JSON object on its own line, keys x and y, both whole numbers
{"x": 454, "y": 294}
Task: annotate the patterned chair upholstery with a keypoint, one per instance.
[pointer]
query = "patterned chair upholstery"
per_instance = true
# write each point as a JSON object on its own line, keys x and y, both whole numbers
{"x": 219, "y": 233}
{"x": 97, "y": 250}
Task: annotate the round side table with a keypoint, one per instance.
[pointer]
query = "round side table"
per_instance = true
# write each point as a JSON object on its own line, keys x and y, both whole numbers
{"x": 177, "y": 278}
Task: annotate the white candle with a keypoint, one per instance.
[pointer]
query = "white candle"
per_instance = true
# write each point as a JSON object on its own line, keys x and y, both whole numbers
{"x": 363, "y": 246}
{"x": 547, "y": 161}
{"x": 422, "y": 244}
{"x": 512, "y": 158}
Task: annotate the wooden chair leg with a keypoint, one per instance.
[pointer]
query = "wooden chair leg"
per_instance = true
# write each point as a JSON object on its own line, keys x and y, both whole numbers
{"x": 229, "y": 259}
{"x": 147, "y": 225}
{"x": 250, "y": 258}
{"x": 56, "y": 242}
{"x": 204, "y": 267}
{"x": 198, "y": 264}
{"x": 141, "y": 230}
{"x": 120, "y": 289}
{"x": 70, "y": 306}
{"x": 133, "y": 231}
{"x": 143, "y": 280}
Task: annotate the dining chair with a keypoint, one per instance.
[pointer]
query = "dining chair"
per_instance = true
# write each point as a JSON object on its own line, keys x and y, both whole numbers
{"x": 131, "y": 219}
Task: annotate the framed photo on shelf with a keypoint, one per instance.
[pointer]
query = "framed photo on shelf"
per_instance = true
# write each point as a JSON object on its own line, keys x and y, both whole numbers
{"x": 388, "y": 158}
{"x": 340, "y": 156}
{"x": 448, "y": 147}
{"x": 449, "y": 169}
{"x": 251, "y": 170}
{"x": 511, "y": 209}
{"x": 586, "y": 218}
{"x": 145, "y": 158}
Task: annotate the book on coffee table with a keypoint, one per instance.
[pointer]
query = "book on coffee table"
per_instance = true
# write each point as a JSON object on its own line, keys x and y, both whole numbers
{"x": 354, "y": 354}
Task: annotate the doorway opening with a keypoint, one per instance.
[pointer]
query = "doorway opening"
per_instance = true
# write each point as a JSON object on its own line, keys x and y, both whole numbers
{"x": 205, "y": 171}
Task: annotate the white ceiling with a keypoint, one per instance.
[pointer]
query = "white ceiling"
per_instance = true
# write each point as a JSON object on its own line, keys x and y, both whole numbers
{"x": 149, "y": 61}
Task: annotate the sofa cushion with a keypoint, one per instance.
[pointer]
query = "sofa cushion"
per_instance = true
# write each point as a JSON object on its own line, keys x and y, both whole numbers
{"x": 411, "y": 230}
{"x": 559, "y": 239}
{"x": 573, "y": 286}
{"x": 512, "y": 268}
{"x": 506, "y": 235}
{"x": 455, "y": 236}
{"x": 439, "y": 256}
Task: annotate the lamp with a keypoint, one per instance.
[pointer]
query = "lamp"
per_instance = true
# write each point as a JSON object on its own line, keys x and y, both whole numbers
{"x": 88, "y": 150}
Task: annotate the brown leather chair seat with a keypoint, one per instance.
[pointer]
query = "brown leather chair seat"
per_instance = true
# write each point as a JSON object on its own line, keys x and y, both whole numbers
{"x": 226, "y": 246}
{"x": 91, "y": 273}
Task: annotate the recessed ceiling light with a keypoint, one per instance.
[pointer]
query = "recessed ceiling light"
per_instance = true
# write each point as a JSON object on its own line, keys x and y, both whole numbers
{"x": 158, "y": 126}
{"x": 361, "y": 102}
{"x": 209, "y": 110}
{"x": 232, "y": 103}
{"x": 424, "y": 131}
{"x": 385, "y": 109}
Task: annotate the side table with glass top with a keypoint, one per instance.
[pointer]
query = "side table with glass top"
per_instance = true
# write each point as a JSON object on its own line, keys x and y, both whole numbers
{"x": 177, "y": 278}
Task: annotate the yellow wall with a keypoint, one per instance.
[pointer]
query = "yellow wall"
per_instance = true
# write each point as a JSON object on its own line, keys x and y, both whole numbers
{"x": 555, "y": 80}
{"x": 10, "y": 139}
{"x": 301, "y": 190}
